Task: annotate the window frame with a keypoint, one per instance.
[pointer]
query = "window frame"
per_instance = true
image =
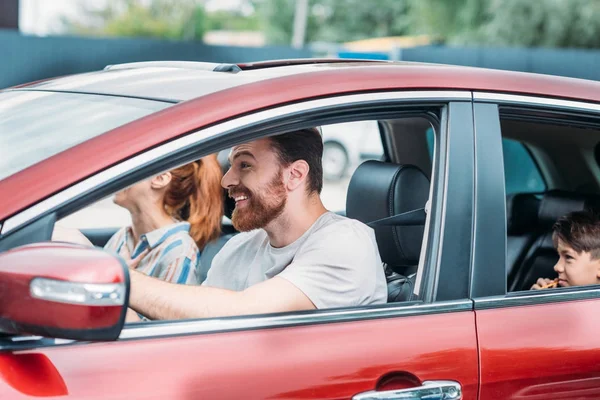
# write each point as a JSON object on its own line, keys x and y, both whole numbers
{"x": 440, "y": 243}
{"x": 484, "y": 295}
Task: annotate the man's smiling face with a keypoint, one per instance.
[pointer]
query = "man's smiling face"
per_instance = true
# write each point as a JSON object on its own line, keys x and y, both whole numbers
{"x": 255, "y": 182}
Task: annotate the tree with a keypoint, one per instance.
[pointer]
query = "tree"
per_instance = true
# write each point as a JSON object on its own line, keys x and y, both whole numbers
{"x": 450, "y": 21}
{"x": 349, "y": 20}
{"x": 334, "y": 20}
{"x": 548, "y": 23}
{"x": 540, "y": 23}
{"x": 551, "y": 23}
{"x": 276, "y": 17}
{"x": 184, "y": 19}
{"x": 232, "y": 21}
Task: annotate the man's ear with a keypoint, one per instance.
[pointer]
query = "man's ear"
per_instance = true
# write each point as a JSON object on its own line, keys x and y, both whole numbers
{"x": 298, "y": 171}
{"x": 161, "y": 181}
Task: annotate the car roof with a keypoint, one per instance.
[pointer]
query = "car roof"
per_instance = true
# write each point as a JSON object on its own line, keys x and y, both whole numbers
{"x": 176, "y": 81}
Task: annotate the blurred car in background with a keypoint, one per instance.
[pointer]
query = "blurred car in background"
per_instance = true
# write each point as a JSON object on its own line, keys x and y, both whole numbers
{"x": 348, "y": 144}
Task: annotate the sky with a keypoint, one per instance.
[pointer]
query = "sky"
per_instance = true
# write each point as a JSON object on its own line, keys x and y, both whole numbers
{"x": 42, "y": 17}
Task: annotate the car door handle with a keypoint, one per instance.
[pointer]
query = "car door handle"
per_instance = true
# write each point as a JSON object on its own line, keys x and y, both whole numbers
{"x": 431, "y": 390}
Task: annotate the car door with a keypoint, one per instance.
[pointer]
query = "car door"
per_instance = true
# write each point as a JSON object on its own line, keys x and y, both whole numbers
{"x": 533, "y": 344}
{"x": 422, "y": 347}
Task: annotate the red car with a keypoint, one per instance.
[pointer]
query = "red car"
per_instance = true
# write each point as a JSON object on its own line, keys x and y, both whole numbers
{"x": 503, "y": 155}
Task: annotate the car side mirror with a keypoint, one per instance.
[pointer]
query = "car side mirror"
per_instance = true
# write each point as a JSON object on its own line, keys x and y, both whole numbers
{"x": 62, "y": 290}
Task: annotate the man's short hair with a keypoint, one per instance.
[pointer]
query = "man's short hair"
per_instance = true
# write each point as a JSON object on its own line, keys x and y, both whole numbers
{"x": 307, "y": 145}
{"x": 579, "y": 230}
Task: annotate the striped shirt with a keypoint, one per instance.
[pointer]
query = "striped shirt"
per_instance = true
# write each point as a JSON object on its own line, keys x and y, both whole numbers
{"x": 173, "y": 255}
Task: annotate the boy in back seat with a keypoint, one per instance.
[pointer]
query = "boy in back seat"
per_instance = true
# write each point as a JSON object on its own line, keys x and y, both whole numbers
{"x": 576, "y": 238}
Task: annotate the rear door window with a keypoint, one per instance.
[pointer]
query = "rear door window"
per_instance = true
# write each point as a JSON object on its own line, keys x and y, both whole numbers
{"x": 521, "y": 173}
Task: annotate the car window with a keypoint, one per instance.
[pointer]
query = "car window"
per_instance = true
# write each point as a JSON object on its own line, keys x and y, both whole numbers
{"x": 521, "y": 173}
{"x": 345, "y": 147}
{"x": 102, "y": 214}
{"x": 531, "y": 209}
{"x": 36, "y": 125}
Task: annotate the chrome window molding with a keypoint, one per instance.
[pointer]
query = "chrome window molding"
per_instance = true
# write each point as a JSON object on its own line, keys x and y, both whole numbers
{"x": 22, "y": 218}
{"x": 162, "y": 329}
{"x": 530, "y": 298}
{"x": 17, "y": 343}
{"x": 546, "y": 102}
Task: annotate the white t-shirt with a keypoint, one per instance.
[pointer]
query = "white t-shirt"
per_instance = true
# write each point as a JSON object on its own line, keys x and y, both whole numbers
{"x": 335, "y": 263}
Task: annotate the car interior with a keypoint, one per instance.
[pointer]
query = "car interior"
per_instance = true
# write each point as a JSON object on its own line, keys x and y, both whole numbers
{"x": 550, "y": 169}
{"x": 407, "y": 178}
{"x": 566, "y": 156}
{"x": 404, "y": 170}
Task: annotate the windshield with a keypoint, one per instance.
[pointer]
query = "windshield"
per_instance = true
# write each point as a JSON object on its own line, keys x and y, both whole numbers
{"x": 35, "y": 125}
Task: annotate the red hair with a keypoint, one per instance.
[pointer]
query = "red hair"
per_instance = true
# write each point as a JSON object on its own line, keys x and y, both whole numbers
{"x": 195, "y": 195}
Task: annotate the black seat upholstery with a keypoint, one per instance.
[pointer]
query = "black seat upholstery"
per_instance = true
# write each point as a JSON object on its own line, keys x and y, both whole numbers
{"x": 540, "y": 257}
{"x": 378, "y": 190}
{"x": 522, "y": 213}
{"x": 208, "y": 253}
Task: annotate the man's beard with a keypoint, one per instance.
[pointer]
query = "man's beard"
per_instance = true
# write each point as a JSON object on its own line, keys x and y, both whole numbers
{"x": 262, "y": 208}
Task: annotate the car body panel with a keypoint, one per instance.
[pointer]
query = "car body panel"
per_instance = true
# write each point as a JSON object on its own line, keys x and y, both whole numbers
{"x": 543, "y": 351}
{"x": 325, "y": 361}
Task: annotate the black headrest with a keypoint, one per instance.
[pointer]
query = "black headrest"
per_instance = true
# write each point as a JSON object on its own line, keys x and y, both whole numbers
{"x": 379, "y": 190}
{"x": 557, "y": 203}
{"x": 521, "y": 213}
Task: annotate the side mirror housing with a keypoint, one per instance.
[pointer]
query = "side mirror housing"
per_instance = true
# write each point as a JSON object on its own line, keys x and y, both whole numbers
{"x": 63, "y": 290}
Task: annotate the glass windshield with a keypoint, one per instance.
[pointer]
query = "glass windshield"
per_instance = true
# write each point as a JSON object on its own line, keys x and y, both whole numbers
{"x": 36, "y": 125}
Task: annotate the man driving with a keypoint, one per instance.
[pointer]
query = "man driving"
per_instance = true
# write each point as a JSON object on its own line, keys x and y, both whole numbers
{"x": 292, "y": 253}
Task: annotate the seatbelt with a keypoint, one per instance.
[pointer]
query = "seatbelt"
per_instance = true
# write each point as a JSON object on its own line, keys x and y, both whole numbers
{"x": 414, "y": 217}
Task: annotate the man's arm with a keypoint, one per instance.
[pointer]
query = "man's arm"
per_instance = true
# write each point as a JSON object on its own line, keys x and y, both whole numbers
{"x": 157, "y": 299}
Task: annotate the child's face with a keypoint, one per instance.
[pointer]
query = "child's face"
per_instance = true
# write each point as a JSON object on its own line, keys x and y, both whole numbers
{"x": 576, "y": 269}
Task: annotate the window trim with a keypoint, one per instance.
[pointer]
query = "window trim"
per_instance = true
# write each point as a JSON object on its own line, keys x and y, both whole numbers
{"x": 451, "y": 252}
{"x": 167, "y": 329}
{"x": 312, "y": 317}
{"x": 527, "y": 298}
{"x": 532, "y": 100}
{"x": 532, "y": 298}
{"x": 489, "y": 222}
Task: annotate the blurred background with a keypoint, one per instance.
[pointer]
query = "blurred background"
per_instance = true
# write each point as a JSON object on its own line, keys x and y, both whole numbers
{"x": 46, "y": 38}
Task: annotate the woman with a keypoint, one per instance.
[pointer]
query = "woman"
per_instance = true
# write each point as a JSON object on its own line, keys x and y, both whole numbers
{"x": 174, "y": 215}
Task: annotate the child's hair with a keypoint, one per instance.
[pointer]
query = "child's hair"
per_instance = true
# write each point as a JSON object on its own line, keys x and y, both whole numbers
{"x": 195, "y": 195}
{"x": 579, "y": 230}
